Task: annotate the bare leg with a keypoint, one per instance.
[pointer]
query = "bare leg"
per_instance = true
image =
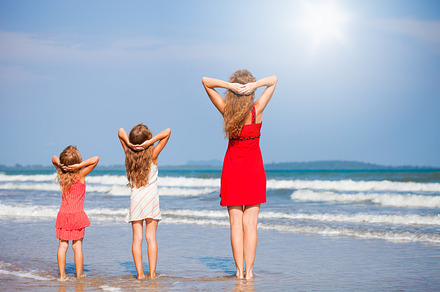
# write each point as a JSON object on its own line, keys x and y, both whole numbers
{"x": 78, "y": 256}
{"x": 250, "y": 221}
{"x": 236, "y": 222}
{"x": 61, "y": 257}
{"x": 150, "y": 235}
{"x": 136, "y": 247}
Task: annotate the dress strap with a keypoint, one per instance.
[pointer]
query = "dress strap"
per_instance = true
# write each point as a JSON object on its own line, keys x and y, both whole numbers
{"x": 253, "y": 114}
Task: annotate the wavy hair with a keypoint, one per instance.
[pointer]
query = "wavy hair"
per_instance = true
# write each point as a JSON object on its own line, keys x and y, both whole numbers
{"x": 138, "y": 163}
{"x": 69, "y": 156}
{"x": 237, "y": 106}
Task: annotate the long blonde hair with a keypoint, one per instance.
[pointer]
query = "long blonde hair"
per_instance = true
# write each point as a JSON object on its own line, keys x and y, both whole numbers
{"x": 69, "y": 156}
{"x": 237, "y": 106}
{"x": 138, "y": 163}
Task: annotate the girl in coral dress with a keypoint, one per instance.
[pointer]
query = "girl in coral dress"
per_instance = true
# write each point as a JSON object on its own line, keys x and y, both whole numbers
{"x": 71, "y": 218}
{"x": 243, "y": 181}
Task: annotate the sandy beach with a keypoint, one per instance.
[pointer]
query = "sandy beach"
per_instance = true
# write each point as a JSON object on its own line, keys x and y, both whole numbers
{"x": 198, "y": 258}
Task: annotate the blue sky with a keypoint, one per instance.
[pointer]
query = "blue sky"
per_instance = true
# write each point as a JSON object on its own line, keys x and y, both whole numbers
{"x": 73, "y": 72}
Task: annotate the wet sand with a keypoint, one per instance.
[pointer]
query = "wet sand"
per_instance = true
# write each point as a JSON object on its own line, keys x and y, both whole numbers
{"x": 193, "y": 257}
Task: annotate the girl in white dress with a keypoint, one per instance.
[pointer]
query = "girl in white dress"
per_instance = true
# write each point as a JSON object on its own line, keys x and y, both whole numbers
{"x": 141, "y": 170}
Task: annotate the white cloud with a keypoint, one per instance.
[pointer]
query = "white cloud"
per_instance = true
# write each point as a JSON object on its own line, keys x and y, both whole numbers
{"x": 25, "y": 47}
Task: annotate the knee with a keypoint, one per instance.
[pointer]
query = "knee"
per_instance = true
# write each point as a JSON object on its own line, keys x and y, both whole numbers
{"x": 137, "y": 240}
{"x": 250, "y": 223}
{"x": 236, "y": 221}
{"x": 63, "y": 245}
{"x": 77, "y": 246}
{"x": 151, "y": 239}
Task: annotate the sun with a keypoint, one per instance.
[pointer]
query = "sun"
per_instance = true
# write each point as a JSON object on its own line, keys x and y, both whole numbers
{"x": 323, "y": 22}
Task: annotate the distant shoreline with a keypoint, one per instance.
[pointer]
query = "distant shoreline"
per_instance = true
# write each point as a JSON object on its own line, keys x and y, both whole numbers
{"x": 322, "y": 165}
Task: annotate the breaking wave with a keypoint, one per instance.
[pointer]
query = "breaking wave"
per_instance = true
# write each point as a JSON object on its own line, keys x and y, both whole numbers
{"x": 383, "y": 199}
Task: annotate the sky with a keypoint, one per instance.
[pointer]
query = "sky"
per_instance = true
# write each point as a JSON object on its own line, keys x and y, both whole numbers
{"x": 357, "y": 80}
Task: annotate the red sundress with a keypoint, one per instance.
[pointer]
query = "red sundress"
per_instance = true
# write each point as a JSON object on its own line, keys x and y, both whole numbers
{"x": 71, "y": 218}
{"x": 243, "y": 180}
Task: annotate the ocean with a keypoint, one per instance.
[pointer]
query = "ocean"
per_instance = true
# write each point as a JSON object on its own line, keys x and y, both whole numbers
{"x": 324, "y": 230}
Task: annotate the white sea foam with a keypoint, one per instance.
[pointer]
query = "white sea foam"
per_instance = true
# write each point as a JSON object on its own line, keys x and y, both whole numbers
{"x": 185, "y": 192}
{"x": 119, "y": 190}
{"x": 327, "y": 231}
{"x": 111, "y": 190}
{"x": 28, "y": 211}
{"x": 109, "y": 288}
{"x": 383, "y": 199}
{"x": 397, "y": 236}
{"x": 30, "y": 275}
{"x": 7, "y": 269}
{"x": 27, "y": 178}
{"x": 198, "y": 221}
{"x": 30, "y": 186}
{"x": 171, "y": 181}
{"x": 407, "y": 219}
{"x": 50, "y": 212}
{"x": 111, "y": 214}
{"x": 196, "y": 213}
{"x": 17, "y": 182}
{"x": 107, "y": 179}
{"x": 350, "y": 185}
{"x": 220, "y": 218}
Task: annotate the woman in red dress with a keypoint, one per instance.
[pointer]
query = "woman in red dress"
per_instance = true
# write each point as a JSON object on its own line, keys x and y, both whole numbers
{"x": 243, "y": 181}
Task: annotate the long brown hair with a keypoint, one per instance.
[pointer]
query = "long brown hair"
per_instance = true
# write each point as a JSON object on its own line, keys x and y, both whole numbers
{"x": 138, "y": 163}
{"x": 69, "y": 156}
{"x": 237, "y": 106}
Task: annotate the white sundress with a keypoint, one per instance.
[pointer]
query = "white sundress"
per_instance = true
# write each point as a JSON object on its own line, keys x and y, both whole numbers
{"x": 144, "y": 201}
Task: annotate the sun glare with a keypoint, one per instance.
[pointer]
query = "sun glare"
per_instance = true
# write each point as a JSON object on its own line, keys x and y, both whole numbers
{"x": 323, "y": 22}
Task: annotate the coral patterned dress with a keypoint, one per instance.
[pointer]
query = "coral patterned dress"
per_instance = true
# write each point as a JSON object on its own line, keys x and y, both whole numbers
{"x": 243, "y": 180}
{"x": 71, "y": 218}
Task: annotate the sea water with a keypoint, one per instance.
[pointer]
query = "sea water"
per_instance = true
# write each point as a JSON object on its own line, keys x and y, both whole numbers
{"x": 319, "y": 230}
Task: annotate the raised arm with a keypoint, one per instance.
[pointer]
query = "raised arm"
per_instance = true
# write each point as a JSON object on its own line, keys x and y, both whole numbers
{"x": 163, "y": 138}
{"x": 211, "y": 83}
{"x": 125, "y": 142}
{"x": 86, "y": 166}
{"x": 56, "y": 162}
{"x": 263, "y": 100}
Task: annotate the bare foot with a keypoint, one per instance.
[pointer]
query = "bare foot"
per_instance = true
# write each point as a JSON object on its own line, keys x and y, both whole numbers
{"x": 240, "y": 275}
{"x": 249, "y": 275}
{"x": 63, "y": 277}
{"x": 141, "y": 277}
{"x": 152, "y": 276}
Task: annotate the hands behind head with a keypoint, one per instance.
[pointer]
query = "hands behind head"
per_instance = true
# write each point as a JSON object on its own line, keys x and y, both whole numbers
{"x": 139, "y": 147}
{"x": 243, "y": 89}
{"x": 70, "y": 168}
